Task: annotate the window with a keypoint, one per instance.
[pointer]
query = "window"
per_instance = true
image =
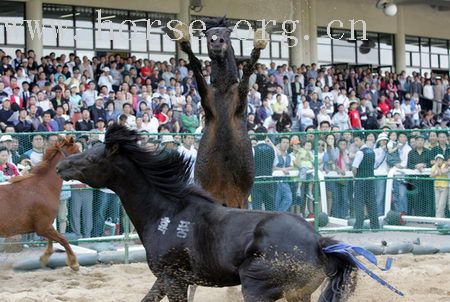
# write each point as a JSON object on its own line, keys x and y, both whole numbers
{"x": 59, "y": 30}
{"x": 376, "y": 50}
{"x": 427, "y": 53}
{"x": 12, "y": 37}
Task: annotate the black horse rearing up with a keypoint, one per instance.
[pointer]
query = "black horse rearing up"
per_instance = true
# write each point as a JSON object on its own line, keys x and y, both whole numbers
{"x": 190, "y": 239}
{"x": 224, "y": 165}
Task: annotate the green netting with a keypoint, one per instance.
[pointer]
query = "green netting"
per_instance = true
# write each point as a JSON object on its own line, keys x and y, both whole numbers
{"x": 311, "y": 183}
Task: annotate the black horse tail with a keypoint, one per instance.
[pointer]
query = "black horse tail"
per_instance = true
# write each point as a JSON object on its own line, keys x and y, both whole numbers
{"x": 341, "y": 273}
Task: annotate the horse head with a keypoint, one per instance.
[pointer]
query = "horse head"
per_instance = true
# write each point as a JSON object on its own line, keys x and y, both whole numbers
{"x": 67, "y": 146}
{"x": 218, "y": 38}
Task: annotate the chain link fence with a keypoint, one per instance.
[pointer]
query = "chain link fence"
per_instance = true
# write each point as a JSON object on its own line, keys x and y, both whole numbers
{"x": 341, "y": 181}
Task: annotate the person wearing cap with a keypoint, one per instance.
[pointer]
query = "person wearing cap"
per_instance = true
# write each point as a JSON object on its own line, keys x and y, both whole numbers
{"x": 163, "y": 94}
{"x": 419, "y": 159}
{"x": 169, "y": 143}
{"x": 68, "y": 126}
{"x": 98, "y": 110}
{"x": 106, "y": 79}
{"x": 382, "y": 167}
{"x": 100, "y": 128}
{"x": 439, "y": 171}
{"x": 364, "y": 189}
{"x": 6, "y": 141}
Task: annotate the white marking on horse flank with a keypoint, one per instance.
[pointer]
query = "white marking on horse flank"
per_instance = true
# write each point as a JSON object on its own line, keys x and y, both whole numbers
{"x": 183, "y": 229}
{"x": 164, "y": 224}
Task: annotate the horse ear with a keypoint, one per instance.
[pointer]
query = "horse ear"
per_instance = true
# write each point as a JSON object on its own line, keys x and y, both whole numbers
{"x": 112, "y": 149}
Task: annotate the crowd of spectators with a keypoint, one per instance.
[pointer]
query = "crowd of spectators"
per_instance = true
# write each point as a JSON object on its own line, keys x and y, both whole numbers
{"x": 66, "y": 93}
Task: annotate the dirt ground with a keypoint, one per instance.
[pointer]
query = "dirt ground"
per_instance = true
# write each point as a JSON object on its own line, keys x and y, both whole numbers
{"x": 421, "y": 278}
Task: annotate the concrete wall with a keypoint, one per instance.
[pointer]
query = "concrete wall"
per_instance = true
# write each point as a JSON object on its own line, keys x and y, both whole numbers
{"x": 420, "y": 20}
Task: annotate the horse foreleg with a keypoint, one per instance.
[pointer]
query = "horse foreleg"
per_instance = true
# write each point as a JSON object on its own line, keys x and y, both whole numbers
{"x": 43, "y": 260}
{"x": 192, "y": 290}
{"x": 177, "y": 291}
{"x": 51, "y": 233}
{"x": 156, "y": 293}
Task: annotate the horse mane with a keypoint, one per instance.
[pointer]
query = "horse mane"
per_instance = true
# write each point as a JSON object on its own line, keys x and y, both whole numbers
{"x": 216, "y": 22}
{"x": 168, "y": 171}
{"x": 42, "y": 168}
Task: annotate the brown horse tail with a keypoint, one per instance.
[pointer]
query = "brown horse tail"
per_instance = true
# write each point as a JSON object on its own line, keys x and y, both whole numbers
{"x": 341, "y": 273}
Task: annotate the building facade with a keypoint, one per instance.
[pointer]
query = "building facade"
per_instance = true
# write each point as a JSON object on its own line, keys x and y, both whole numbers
{"x": 416, "y": 39}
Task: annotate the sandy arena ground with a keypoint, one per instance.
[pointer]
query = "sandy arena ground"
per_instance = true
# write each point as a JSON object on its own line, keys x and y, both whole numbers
{"x": 421, "y": 278}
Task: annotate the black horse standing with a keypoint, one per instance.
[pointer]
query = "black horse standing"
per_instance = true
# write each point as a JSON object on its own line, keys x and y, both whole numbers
{"x": 224, "y": 165}
{"x": 190, "y": 239}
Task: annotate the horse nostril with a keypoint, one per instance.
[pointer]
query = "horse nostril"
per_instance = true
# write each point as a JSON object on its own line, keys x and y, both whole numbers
{"x": 221, "y": 40}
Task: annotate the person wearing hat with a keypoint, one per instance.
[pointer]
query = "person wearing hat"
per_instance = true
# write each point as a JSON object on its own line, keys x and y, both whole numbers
{"x": 364, "y": 189}
{"x": 106, "y": 79}
{"x": 169, "y": 143}
{"x": 7, "y": 141}
{"x": 100, "y": 128}
{"x": 419, "y": 158}
{"x": 382, "y": 167}
{"x": 439, "y": 171}
{"x": 68, "y": 126}
{"x": 163, "y": 94}
{"x": 98, "y": 109}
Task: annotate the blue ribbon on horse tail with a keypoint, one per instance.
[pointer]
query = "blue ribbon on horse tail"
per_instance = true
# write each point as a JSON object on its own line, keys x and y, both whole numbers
{"x": 345, "y": 249}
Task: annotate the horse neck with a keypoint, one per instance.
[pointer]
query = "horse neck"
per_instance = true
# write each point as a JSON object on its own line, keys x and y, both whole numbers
{"x": 50, "y": 177}
{"x": 143, "y": 204}
{"x": 224, "y": 71}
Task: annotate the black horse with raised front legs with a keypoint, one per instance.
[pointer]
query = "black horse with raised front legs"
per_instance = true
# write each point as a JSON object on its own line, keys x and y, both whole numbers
{"x": 224, "y": 165}
{"x": 190, "y": 239}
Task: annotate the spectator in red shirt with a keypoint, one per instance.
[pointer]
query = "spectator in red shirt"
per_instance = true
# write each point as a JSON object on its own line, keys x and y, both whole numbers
{"x": 383, "y": 106}
{"x": 146, "y": 71}
{"x": 162, "y": 114}
{"x": 354, "y": 116}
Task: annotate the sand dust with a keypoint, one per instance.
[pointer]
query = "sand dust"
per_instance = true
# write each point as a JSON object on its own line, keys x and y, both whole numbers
{"x": 421, "y": 278}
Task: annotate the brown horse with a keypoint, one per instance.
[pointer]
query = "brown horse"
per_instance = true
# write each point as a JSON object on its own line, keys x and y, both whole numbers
{"x": 224, "y": 165}
{"x": 30, "y": 203}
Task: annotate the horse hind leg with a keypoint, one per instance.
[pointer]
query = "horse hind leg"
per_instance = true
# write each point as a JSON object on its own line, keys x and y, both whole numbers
{"x": 52, "y": 234}
{"x": 177, "y": 291}
{"x": 43, "y": 260}
{"x": 156, "y": 293}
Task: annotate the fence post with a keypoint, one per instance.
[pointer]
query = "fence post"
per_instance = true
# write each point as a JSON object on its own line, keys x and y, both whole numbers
{"x": 316, "y": 180}
{"x": 126, "y": 237}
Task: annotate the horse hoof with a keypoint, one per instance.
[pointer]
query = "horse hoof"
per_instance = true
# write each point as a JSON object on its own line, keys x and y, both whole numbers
{"x": 184, "y": 36}
{"x": 258, "y": 41}
{"x": 75, "y": 267}
{"x": 43, "y": 261}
